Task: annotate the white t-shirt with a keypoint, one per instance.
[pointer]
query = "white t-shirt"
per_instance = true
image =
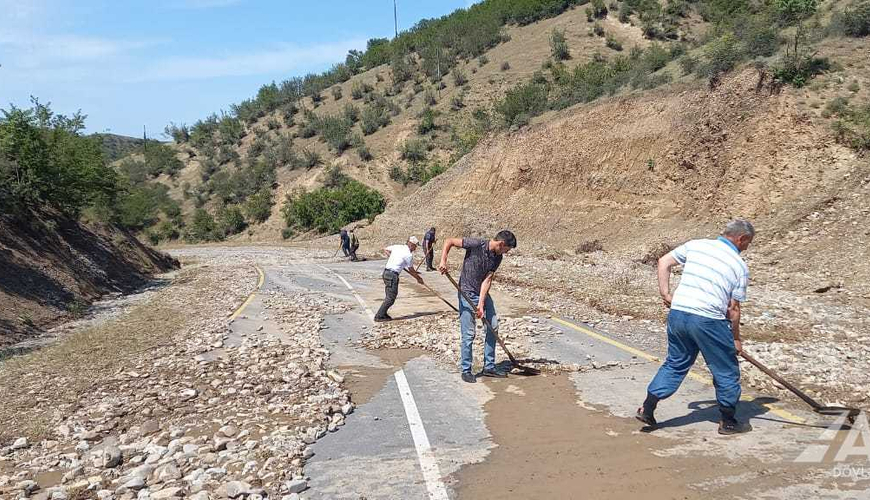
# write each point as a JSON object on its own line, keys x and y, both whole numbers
{"x": 713, "y": 274}
{"x": 400, "y": 258}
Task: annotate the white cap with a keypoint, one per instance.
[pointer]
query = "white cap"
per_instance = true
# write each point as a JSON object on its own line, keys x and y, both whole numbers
{"x": 414, "y": 240}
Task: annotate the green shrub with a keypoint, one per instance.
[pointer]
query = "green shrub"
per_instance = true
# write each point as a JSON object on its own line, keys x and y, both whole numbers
{"x": 309, "y": 159}
{"x": 273, "y": 124}
{"x": 427, "y": 121}
{"x": 459, "y": 77}
{"x": 364, "y": 153}
{"x": 596, "y": 10}
{"x": 351, "y": 113}
{"x": 856, "y": 19}
{"x": 179, "y": 133}
{"x": 482, "y": 60}
{"x": 457, "y": 102}
{"x": 527, "y": 99}
{"x": 229, "y": 220}
{"x": 598, "y": 30}
{"x": 335, "y": 131}
{"x": 310, "y": 126}
{"x": 202, "y": 227}
{"x": 613, "y": 43}
{"x": 429, "y": 98}
{"x": 330, "y": 209}
{"x": 688, "y": 63}
{"x": 373, "y": 118}
{"x": 258, "y": 206}
{"x": 559, "y": 45}
{"x": 161, "y": 159}
{"x": 336, "y": 93}
{"x": 416, "y": 173}
{"x": 413, "y": 150}
{"x": 505, "y": 66}
{"x": 798, "y": 71}
{"x": 359, "y": 90}
{"x": 721, "y": 56}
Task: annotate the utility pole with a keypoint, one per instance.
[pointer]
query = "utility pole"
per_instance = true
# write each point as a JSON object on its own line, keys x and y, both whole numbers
{"x": 396, "y": 19}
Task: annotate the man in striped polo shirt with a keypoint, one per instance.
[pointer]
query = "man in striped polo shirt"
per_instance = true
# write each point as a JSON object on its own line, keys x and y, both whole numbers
{"x": 705, "y": 317}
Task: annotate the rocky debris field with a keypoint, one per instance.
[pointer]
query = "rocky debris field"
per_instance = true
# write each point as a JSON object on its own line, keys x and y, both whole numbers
{"x": 439, "y": 335}
{"x": 194, "y": 409}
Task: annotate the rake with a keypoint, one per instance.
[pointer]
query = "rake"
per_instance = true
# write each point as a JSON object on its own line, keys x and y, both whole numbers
{"x": 821, "y": 409}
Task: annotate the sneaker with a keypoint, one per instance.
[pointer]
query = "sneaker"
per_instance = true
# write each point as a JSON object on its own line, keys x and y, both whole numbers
{"x": 731, "y": 427}
{"x": 468, "y": 377}
{"x": 494, "y": 373}
{"x": 646, "y": 418}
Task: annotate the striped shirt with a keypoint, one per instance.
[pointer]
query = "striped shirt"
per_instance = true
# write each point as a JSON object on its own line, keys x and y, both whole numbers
{"x": 713, "y": 275}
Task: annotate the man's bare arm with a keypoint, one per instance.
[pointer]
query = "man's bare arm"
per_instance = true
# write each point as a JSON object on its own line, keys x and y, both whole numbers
{"x": 666, "y": 263}
{"x": 448, "y": 244}
{"x": 734, "y": 316}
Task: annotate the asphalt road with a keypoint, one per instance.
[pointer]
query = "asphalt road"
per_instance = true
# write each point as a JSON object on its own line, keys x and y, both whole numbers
{"x": 451, "y": 436}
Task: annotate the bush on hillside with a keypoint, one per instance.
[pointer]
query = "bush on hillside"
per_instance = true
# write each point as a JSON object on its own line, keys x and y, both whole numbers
{"x": 373, "y": 118}
{"x": 505, "y": 66}
{"x": 310, "y": 126}
{"x": 202, "y": 227}
{"x": 336, "y": 93}
{"x": 855, "y": 20}
{"x": 258, "y": 206}
{"x": 559, "y": 45}
{"x": 613, "y": 43}
{"x": 413, "y": 150}
{"x": 47, "y": 162}
{"x": 229, "y": 221}
{"x": 427, "y": 121}
{"x": 416, "y": 173}
{"x": 350, "y": 113}
{"x": 179, "y": 133}
{"x": 459, "y": 77}
{"x": 522, "y": 102}
{"x": 330, "y": 209}
{"x": 335, "y": 131}
{"x": 482, "y": 60}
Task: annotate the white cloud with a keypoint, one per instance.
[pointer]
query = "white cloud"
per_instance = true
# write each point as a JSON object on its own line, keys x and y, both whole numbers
{"x": 282, "y": 59}
{"x": 33, "y": 50}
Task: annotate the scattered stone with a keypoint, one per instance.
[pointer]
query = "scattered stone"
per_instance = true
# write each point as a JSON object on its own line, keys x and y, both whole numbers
{"x": 19, "y": 444}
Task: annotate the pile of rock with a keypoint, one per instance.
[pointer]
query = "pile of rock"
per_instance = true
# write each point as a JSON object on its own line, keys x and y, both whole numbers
{"x": 202, "y": 418}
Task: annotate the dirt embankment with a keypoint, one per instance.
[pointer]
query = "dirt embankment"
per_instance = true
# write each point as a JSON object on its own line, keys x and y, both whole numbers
{"x": 52, "y": 267}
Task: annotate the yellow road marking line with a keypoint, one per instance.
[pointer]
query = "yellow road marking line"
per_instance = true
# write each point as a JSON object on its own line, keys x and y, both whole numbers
{"x": 695, "y": 376}
{"x": 261, "y": 278}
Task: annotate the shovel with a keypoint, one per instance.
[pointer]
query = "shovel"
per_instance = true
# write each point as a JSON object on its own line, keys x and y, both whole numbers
{"x": 524, "y": 370}
{"x": 850, "y": 413}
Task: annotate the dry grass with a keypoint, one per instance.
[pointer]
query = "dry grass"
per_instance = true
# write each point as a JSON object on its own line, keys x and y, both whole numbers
{"x": 51, "y": 381}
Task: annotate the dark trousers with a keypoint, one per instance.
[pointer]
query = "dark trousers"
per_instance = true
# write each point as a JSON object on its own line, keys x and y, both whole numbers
{"x": 346, "y": 250}
{"x": 429, "y": 256}
{"x": 353, "y": 254}
{"x": 391, "y": 291}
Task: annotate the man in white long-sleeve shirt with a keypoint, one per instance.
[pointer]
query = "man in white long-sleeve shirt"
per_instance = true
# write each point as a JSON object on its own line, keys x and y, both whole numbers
{"x": 400, "y": 257}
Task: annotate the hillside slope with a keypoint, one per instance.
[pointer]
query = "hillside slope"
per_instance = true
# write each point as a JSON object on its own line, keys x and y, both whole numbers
{"x": 52, "y": 267}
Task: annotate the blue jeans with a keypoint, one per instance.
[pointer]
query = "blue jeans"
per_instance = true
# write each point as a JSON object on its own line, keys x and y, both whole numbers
{"x": 467, "y": 324}
{"x": 687, "y": 335}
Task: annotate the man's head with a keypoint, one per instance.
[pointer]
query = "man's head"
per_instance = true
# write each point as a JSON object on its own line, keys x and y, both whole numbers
{"x": 432, "y": 229}
{"x": 740, "y": 232}
{"x": 413, "y": 242}
{"x": 505, "y": 241}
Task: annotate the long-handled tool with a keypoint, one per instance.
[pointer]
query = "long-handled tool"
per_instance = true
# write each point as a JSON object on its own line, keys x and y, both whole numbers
{"x": 850, "y": 413}
{"x": 525, "y": 370}
{"x": 440, "y": 297}
{"x": 424, "y": 257}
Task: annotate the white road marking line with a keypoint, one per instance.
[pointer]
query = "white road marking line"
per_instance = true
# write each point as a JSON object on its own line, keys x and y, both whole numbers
{"x": 428, "y": 463}
{"x": 431, "y": 472}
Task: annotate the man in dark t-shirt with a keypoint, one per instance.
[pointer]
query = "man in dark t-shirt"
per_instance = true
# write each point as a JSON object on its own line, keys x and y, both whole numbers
{"x": 429, "y": 247}
{"x": 482, "y": 258}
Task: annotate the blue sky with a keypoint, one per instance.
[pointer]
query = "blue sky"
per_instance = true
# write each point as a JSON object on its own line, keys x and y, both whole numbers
{"x": 126, "y": 64}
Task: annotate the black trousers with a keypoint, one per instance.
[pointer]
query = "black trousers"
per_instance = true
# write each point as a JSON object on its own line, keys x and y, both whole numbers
{"x": 353, "y": 254}
{"x": 429, "y": 256}
{"x": 346, "y": 250}
{"x": 391, "y": 291}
